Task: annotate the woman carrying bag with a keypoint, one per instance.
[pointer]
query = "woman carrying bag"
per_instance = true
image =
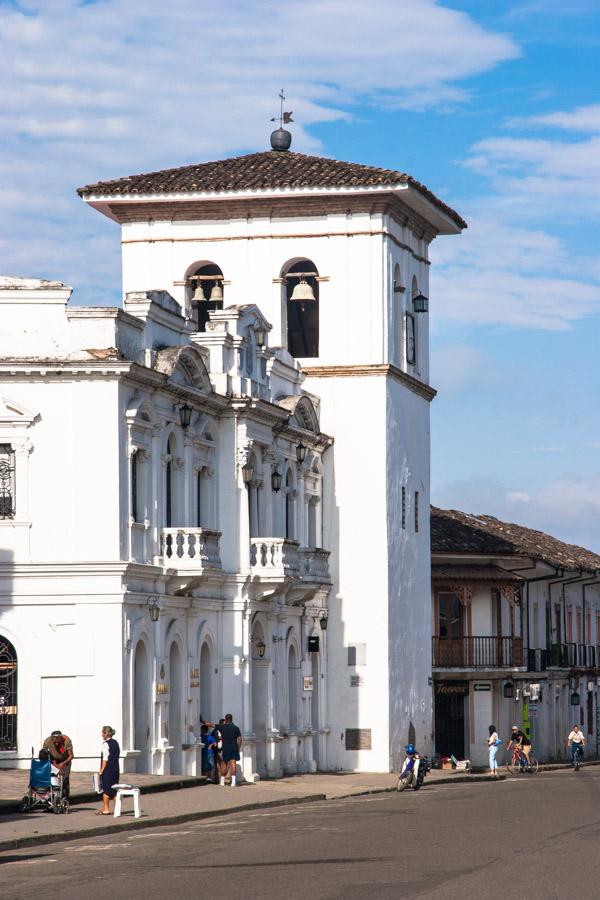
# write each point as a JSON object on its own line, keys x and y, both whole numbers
{"x": 109, "y": 769}
{"x": 493, "y": 744}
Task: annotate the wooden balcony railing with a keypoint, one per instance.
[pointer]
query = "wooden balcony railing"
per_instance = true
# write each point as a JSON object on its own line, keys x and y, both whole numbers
{"x": 477, "y": 652}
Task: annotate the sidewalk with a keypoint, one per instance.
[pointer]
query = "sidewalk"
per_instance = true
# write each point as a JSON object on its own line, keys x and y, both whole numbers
{"x": 172, "y": 807}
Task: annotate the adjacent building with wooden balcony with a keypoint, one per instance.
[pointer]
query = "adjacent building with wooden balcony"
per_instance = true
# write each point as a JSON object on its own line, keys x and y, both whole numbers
{"x": 516, "y": 629}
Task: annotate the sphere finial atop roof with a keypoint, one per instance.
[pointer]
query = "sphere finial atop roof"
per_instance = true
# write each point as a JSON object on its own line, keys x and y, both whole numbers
{"x": 281, "y": 139}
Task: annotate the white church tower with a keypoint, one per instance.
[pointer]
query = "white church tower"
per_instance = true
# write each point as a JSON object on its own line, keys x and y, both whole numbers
{"x": 335, "y": 256}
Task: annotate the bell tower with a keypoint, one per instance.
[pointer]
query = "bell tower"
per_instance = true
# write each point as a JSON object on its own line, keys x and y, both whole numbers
{"x": 335, "y": 256}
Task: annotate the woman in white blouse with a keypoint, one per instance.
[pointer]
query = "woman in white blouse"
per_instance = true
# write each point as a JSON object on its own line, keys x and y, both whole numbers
{"x": 493, "y": 742}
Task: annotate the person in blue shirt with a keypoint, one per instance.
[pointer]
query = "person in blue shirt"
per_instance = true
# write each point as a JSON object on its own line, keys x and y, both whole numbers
{"x": 208, "y": 753}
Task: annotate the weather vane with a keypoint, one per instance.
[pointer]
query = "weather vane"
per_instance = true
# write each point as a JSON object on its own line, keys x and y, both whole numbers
{"x": 284, "y": 117}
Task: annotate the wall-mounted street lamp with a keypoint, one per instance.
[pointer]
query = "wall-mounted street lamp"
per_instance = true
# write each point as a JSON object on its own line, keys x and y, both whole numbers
{"x": 324, "y": 619}
{"x": 276, "y": 479}
{"x": 420, "y": 303}
{"x": 247, "y": 472}
{"x": 261, "y": 336}
{"x": 185, "y": 415}
{"x": 154, "y": 609}
{"x": 508, "y": 691}
{"x": 575, "y": 700}
{"x": 260, "y": 648}
{"x": 300, "y": 452}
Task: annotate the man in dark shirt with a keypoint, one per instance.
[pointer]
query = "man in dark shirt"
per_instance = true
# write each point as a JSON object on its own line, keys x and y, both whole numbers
{"x": 60, "y": 748}
{"x": 230, "y": 752}
{"x": 520, "y": 740}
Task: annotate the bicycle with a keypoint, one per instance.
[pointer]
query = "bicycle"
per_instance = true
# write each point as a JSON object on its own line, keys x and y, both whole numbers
{"x": 577, "y": 757}
{"x": 518, "y": 764}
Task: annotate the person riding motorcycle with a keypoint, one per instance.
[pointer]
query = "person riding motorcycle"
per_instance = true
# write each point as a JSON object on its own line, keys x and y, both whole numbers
{"x": 409, "y": 776}
{"x": 519, "y": 739}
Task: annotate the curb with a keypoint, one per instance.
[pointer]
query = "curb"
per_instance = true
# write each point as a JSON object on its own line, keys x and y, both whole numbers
{"x": 138, "y": 824}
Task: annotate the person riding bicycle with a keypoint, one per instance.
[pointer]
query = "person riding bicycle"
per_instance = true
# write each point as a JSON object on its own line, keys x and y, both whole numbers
{"x": 575, "y": 743}
{"x": 519, "y": 739}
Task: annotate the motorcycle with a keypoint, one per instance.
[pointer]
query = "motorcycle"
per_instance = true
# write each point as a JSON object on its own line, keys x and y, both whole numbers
{"x": 413, "y": 772}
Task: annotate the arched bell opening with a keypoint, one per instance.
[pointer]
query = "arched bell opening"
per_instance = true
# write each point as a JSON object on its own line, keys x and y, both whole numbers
{"x": 205, "y": 291}
{"x": 302, "y": 308}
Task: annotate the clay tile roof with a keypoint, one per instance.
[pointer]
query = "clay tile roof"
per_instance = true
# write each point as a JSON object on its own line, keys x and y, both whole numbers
{"x": 262, "y": 171}
{"x": 453, "y": 531}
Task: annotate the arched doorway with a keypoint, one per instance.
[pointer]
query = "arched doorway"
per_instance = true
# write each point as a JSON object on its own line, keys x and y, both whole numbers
{"x": 293, "y": 689}
{"x": 206, "y": 683}
{"x": 142, "y": 685}
{"x": 260, "y": 670}
{"x": 175, "y": 708}
{"x": 314, "y": 710}
{"x": 8, "y": 695}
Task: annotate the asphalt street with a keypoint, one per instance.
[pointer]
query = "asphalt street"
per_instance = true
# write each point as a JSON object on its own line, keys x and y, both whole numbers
{"x": 530, "y": 836}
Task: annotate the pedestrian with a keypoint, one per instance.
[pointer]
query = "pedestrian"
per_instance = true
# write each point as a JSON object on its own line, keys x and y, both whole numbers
{"x": 493, "y": 744}
{"x": 60, "y": 748}
{"x": 208, "y": 753}
{"x": 576, "y": 743}
{"x": 217, "y": 748}
{"x": 109, "y": 769}
{"x": 232, "y": 742}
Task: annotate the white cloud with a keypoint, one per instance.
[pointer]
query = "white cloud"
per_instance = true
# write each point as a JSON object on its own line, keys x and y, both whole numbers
{"x": 96, "y": 90}
{"x": 508, "y": 268}
{"x": 584, "y": 119}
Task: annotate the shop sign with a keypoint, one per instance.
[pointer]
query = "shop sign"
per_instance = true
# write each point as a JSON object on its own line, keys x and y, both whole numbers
{"x": 482, "y": 687}
{"x": 452, "y": 687}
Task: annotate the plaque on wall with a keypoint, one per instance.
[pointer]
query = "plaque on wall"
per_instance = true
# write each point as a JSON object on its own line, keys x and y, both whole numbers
{"x": 358, "y": 738}
{"x": 356, "y": 681}
{"x": 307, "y": 683}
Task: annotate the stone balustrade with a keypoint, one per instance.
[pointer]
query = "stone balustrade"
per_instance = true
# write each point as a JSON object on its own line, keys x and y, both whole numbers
{"x": 274, "y": 557}
{"x": 190, "y": 548}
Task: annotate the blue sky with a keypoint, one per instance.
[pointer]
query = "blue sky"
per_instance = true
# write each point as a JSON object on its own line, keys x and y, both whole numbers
{"x": 495, "y": 106}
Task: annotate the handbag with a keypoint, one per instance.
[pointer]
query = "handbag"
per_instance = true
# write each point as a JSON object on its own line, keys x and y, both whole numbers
{"x": 96, "y": 782}
{"x": 497, "y": 743}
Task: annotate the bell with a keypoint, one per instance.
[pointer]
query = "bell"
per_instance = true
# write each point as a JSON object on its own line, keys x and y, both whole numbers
{"x": 216, "y": 295}
{"x": 303, "y": 292}
{"x": 199, "y": 294}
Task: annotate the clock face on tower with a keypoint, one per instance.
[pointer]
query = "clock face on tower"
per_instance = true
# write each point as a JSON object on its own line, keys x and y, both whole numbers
{"x": 410, "y": 339}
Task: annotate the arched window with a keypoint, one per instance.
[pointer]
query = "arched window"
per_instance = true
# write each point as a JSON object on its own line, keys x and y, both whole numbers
{"x": 205, "y": 291}
{"x": 398, "y": 317}
{"x": 290, "y": 506}
{"x": 169, "y": 483}
{"x": 302, "y": 308}
{"x": 253, "y": 503}
{"x": 8, "y": 695}
{"x": 410, "y": 329}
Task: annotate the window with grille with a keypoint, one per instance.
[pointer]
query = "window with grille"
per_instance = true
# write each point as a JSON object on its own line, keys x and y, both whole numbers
{"x": 7, "y": 482}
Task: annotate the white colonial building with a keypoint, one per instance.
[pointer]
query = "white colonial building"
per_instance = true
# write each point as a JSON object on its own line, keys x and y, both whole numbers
{"x": 516, "y": 636}
{"x": 194, "y": 486}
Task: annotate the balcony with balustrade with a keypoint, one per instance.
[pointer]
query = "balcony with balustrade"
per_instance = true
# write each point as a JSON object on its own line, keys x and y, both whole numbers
{"x": 478, "y": 652}
{"x": 190, "y": 550}
{"x": 281, "y": 559}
